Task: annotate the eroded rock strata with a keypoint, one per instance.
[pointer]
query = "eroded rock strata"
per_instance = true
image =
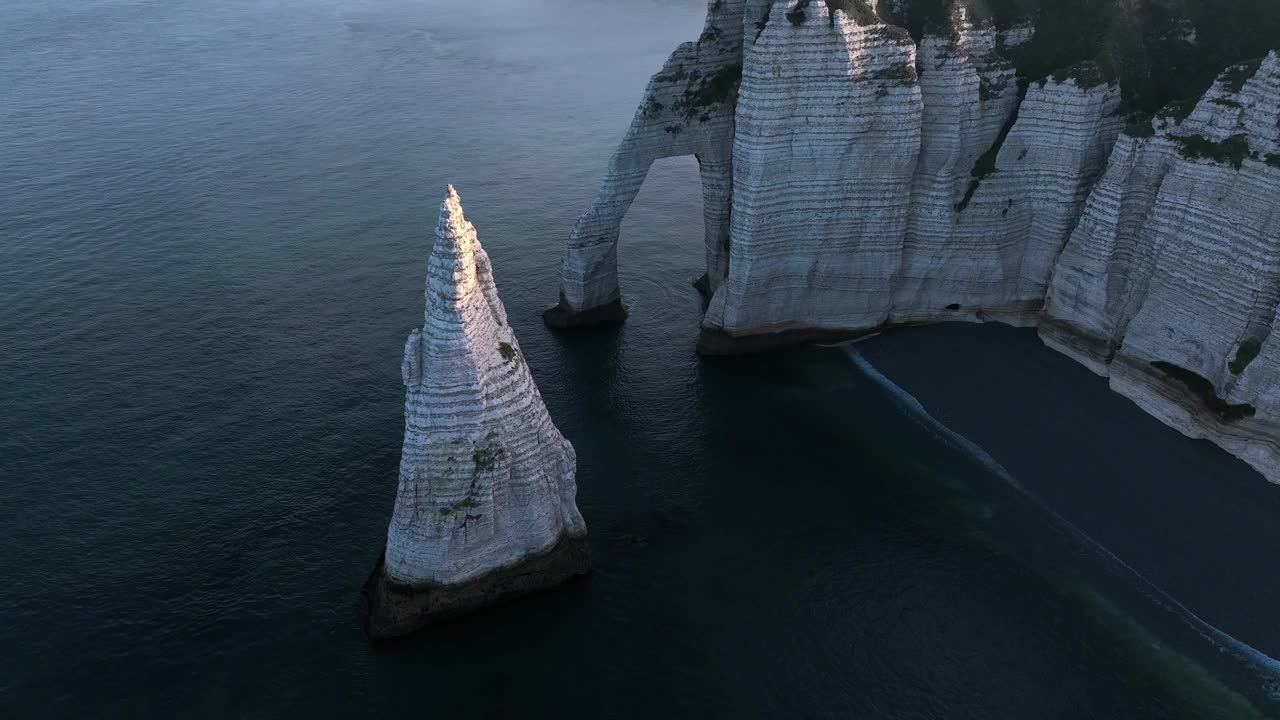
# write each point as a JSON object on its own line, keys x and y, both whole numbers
{"x": 1171, "y": 280}
{"x": 828, "y": 125}
{"x": 485, "y": 507}
{"x": 866, "y": 175}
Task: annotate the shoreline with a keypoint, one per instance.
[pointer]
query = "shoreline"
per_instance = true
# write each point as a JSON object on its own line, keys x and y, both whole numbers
{"x": 1189, "y": 517}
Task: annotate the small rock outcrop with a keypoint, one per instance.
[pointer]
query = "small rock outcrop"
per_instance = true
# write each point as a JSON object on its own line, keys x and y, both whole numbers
{"x": 485, "y": 508}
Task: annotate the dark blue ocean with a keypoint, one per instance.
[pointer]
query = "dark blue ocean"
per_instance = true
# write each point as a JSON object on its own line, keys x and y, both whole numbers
{"x": 214, "y": 222}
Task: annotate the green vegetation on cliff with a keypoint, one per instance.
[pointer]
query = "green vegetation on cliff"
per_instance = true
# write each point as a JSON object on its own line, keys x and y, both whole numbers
{"x": 985, "y": 166}
{"x": 1233, "y": 150}
{"x": 1246, "y": 354}
{"x": 1160, "y": 51}
{"x": 859, "y": 10}
{"x": 1204, "y": 390}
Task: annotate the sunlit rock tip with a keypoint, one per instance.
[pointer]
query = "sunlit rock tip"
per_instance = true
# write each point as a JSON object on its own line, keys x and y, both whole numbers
{"x": 485, "y": 507}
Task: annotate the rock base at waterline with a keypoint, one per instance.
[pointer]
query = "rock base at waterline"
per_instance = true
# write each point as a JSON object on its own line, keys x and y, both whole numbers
{"x": 713, "y": 342}
{"x": 390, "y": 609}
{"x": 562, "y": 317}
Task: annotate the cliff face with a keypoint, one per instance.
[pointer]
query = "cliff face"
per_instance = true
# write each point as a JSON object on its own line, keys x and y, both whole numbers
{"x": 881, "y": 179}
{"x": 828, "y": 120}
{"x": 1171, "y": 281}
{"x": 992, "y": 251}
{"x": 485, "y": 506}
{"x": 970, "y": 93}
{"x": 924, "y": 182}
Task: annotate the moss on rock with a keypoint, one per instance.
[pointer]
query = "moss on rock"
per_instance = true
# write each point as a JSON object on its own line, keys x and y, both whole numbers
{"x": 1204, "y": 390}
{"x": 1231, "y": 151}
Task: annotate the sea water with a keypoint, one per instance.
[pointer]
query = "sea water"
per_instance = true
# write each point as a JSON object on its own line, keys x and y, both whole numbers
{"x": 214, "y": 222}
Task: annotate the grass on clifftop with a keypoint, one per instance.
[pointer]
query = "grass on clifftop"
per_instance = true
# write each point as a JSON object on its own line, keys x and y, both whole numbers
{"x": 1237, "y": 75}
{"x": 860, "y": 11}
{"x": 1159, "y": 51}
{"x": 1140, "y": 43}
{"x": 1231, "y": 151}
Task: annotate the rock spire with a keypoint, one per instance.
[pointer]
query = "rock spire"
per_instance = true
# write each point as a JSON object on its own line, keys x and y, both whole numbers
{"x": 485, "y": 507}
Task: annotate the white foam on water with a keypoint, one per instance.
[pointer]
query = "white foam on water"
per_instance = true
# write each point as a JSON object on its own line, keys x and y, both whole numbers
{"x": 1267, "y": 667}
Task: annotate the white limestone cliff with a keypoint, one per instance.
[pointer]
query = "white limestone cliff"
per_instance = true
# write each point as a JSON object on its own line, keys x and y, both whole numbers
{"x": 487, "y": 482}
{"x": 992, "y": 252}
{"x": 1170, "y": 283}
{"x": 865, "y": 179}
{"x": 970, "y": 93}
{"x": 941, "y": 194}
{"x": 828, "y": 130}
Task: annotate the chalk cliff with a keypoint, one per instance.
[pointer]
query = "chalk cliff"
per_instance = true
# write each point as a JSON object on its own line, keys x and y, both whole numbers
{"x": 485, "y": 507}
{"x": 924, "y": 182}
{"x": 1170, "y": 283}
{"x": 828, "y": 127}
{"x": 881, "y": 175}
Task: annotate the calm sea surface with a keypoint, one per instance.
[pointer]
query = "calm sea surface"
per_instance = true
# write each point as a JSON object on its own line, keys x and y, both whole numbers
{"x": 214, "y": 222}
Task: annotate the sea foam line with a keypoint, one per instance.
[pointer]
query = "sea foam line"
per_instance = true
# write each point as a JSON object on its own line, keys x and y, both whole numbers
{"x": 1267, "y": 666}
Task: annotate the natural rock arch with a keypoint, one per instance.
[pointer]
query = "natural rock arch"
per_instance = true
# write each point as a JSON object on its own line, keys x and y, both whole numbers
{"x": 687, "y": 109}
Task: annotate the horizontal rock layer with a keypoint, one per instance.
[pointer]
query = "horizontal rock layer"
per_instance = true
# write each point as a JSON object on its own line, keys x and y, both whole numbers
{"x": 828, "y": 129}
{"x": 920, "y": 182}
